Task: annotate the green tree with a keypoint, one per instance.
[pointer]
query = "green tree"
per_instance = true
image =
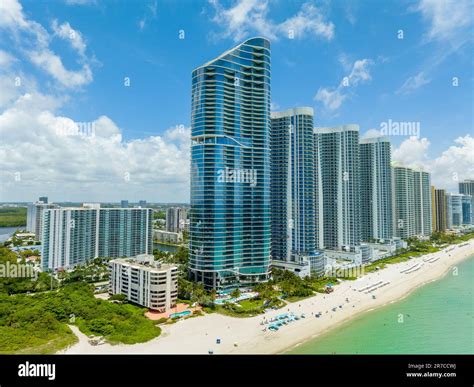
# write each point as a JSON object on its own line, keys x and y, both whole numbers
{"x": 236, "y": 293}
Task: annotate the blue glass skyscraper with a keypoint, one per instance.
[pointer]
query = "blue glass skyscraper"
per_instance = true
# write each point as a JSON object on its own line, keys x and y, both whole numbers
{"x": 230, "y": 168}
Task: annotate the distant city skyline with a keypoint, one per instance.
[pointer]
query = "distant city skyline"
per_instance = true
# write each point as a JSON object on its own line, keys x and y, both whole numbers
{"x": 95, "y": 95}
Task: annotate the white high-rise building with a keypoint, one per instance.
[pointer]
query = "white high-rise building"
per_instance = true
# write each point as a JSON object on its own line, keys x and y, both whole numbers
{"x": 403, "y": 202}
{"x": 412, "y": 202}
{"x": 72, "y": 236}
{"x": 176, "y": 219}
{"x": 145, "y": 281}
{"x": 293, "y": 186}
{"x": 34, "y": 216}
{"x": 423, "y": 203}
{"x": 337, "y": 188}
{"x": 376, "y": 189}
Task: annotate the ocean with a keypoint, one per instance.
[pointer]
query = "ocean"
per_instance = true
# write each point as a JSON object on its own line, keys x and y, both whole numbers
{"x": 437, "y": 318}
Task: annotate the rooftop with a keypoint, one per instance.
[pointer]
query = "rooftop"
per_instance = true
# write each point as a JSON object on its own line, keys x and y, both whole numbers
{"x": 145, "y": 261}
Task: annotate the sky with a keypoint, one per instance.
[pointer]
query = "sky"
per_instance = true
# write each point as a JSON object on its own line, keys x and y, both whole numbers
{"x": 95, "y": 96}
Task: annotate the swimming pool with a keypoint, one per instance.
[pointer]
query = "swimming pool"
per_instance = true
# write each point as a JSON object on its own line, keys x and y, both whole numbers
{"x": 180, "y": 314}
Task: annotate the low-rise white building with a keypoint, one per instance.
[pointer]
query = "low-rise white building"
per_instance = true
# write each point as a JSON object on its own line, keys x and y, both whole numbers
{"x": 301, "y": 269}
{"x": 145, "y": 281}
{"x": 167, "y": 236}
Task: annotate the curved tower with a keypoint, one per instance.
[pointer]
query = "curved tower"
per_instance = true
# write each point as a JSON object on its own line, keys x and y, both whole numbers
{"x": 230, "y": 171}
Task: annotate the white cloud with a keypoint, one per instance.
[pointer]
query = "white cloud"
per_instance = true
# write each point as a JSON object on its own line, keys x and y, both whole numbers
{"x": 6, "y": 59}
{"x": 332, "y": 98}
{"x": 372, "y": 133}
{"x": 43, "y": 151}
{"x": 447, "y": 18}
{"x": 274, "y": 106}
{"x": 453, "y": 165}
{"x": 11, "y": 14}
{"x": 69, "y": 34}
{"x": 150, "y": 14}
{"x": 360, "y": 72}
{"x": 412, "y": 151}
{"x": 247, "y": 17}
{"x": 413, "y": 83}
{"x": 350, "y": 10}
{"x": 309, "y": 20}
{"x": 33, "y": 41}
{"x": 52, "y": 64}
{"x": 51, "y": 153}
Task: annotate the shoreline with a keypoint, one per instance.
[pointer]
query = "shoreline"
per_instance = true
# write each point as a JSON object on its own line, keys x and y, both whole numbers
{"x": 245, "y": 336}
{"x": 377, "y": 308}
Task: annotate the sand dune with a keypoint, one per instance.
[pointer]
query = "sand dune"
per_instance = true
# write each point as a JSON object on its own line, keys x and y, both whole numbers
{"x": 199, "y": 335}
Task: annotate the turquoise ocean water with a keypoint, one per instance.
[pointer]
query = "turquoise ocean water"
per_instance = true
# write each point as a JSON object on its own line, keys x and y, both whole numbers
{"x": 437, "y": 318}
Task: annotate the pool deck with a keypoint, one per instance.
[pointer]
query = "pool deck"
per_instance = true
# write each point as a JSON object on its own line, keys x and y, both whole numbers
{"x": 152, "y": 315}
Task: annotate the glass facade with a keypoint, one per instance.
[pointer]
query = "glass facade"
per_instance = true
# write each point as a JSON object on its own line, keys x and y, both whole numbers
{"x": 454, "y": 210}
{"x": 466, "y": 210}
{"x": 292, "y": 185}
{"x": 466, "y": 187}
{"x": 230, "y": 168}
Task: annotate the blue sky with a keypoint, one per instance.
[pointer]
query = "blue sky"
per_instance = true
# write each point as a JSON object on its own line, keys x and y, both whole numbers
{"x": 144, "y": 127}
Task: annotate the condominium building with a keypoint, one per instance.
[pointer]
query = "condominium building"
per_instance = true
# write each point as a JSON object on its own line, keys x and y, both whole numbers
{"x": 337, "y": 187}
{"x": 145, "y": 281}
{"x": 433, "y": 209}
{"x": 422, "y": 191}
{"x": 466, "y": 202}
{"x": 176, "y": 218}
{"x": 403, "y": 202}
{"x": 230, "y": 168}
{"x": 293, "y": 186}
{"x": 466, "y": 187}
{"x": 167, "y": 236}
{"x": 72, "y": 236}
{"x": 124, "y": 204}
{"x": 454, "y": 210}
{"x": 376, "y": 189}
{"x": 34, "y": 216}
{"x": 439, "y": 210}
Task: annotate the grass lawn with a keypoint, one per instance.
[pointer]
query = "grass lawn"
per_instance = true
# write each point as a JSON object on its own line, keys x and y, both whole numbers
{"x": 248, "y": 308}
{"x": 16, "y": 341}
{"x": 298, "y": 298}
{"x": 398, "y": 258}
{"x": 37, "y": 323}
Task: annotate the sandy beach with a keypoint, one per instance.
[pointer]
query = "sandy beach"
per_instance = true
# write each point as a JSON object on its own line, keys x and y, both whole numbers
{"x": 198, "y": 335}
